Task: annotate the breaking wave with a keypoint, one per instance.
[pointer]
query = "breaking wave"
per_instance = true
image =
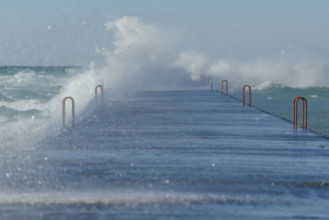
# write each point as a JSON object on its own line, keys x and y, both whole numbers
{"x": 125, "y": 198}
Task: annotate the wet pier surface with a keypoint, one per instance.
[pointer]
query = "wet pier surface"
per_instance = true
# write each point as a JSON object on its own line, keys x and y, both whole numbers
{"x": 172, "y": 155}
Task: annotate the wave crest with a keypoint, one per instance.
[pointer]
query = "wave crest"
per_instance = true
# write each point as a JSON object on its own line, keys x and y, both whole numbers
{"x": 268, "y": 85}
{"x": 12, "y": 113}
{"x": 122, "y": 198}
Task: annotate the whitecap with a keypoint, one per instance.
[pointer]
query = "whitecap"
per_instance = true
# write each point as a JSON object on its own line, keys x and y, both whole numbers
{"x": 268, "y": 84}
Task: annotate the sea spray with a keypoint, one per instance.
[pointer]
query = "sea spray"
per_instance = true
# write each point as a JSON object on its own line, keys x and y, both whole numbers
{"x": 143, "y": 56}
{"x": 31, "y": 96}
{"x": 28, "y": 112}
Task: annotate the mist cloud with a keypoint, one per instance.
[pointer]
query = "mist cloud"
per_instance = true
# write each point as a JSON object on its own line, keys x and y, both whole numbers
{"x": 191, "y": 62}
{"x": 295, "y": 73}
{"x": 143, "y": 51}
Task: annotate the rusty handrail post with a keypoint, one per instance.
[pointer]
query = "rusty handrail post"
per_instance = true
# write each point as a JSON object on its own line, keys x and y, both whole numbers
{"x": 63, "y": 110}
{"x": 102, "y": 94}
{"x": 210, "y": 81}
{"x": 226, "y": 83}
{"x": 295, "y": 111}
{"x": 243, "y": 94}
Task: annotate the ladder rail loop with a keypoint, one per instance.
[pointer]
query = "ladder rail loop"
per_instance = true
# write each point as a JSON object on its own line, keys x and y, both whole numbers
{"x": 226, "y": 84}
{"x": 210, "y": 81}
{"x": 101, "y": 87}
{"x": 73, "y": 110}
{"x": 244, "y": 94}
{"x": 295, "y": 112}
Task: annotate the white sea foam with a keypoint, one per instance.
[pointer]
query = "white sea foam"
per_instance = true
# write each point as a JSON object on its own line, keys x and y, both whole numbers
{"x": 266, "y": 85}
{"x": 263, "y": 85}
{"x": 26, "y": 132}
{"x": 127, "y": 198}
{"x": 27, "y": 79}
{"x": 24, "y": 105}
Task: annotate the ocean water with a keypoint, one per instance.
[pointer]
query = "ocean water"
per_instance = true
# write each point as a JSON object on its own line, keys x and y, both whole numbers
{"x": 278, "y": 100}
{"x": 25, "y": 95}
{"x": 30, "y": 101}
{"x": 139, "y": 166}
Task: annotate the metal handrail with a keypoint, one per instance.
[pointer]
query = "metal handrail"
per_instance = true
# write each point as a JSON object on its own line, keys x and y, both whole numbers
{"x": 295, "y": 111}
{"x": 201, "y": 79}
{"x": 210, "y": 81}
{"x": 102, "y": 94}
{"x": 243, "y": 94}
{"x": 63, "y": 110}
{"x": 224, "y": 81}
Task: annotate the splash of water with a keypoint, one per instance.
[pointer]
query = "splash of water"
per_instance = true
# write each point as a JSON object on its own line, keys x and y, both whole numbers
{"x": 142, "y": 57}
{"x": 139, "y": 58}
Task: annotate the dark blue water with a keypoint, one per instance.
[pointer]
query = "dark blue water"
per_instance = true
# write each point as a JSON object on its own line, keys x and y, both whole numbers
{"x": 170, "y": 155}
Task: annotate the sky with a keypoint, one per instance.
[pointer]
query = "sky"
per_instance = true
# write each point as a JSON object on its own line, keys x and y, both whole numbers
{"x": 68, "y": 32}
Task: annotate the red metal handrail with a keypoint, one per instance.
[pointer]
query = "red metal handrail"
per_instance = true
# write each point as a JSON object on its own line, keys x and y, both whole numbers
{"x": 243, "y": 94}
{"x": 63, "y": 110}
{"x": 295, "y": 111}
{"x": 102, "y": 94}
{"x": 224, "y": 81}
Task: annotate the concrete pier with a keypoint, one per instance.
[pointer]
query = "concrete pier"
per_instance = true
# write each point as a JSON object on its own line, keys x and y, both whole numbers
{"x": 189, "y": 155}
